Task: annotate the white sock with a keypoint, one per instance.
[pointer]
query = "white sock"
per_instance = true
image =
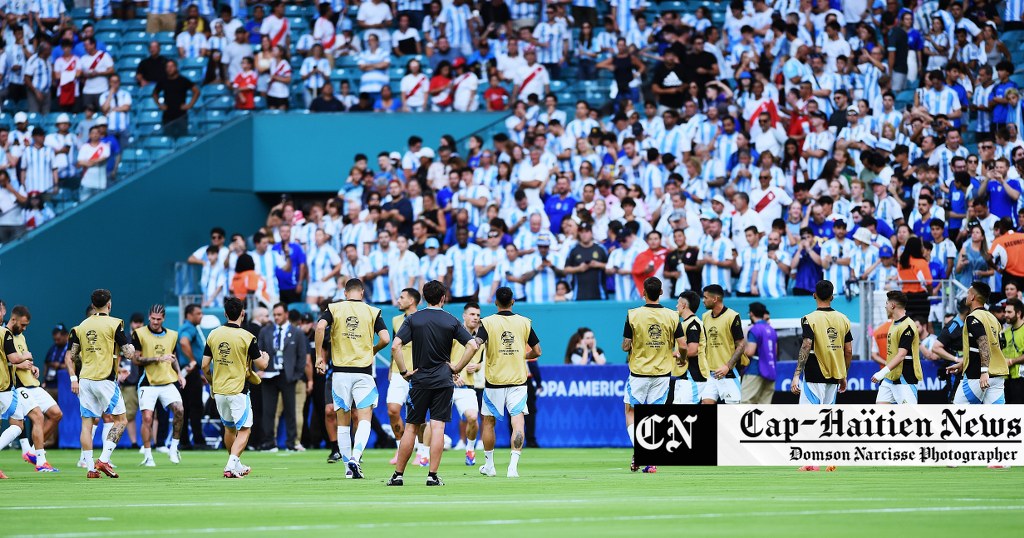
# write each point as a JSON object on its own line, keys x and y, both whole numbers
{"x": 345, "y": 441}
{"x": 362, "y": 436}
{"x": 488, "y": 457}
{"x": 25, "y": 447}
{"x": 107, "y": 426}
{"x": 87, "y": 455}
{"x": 108, "y": 449}
{"x": 147, "y": 452}
{"x": 233, "y": 463}
{"x": 629, "y": 429}
{"x": 514, "y": 463}
{"x": 470, "y": 445}
{"x": 174, "y": 444}
{"x": 94, "y": 431}
{"x": 9, "y": 435}
{"x": 41, "y": 457}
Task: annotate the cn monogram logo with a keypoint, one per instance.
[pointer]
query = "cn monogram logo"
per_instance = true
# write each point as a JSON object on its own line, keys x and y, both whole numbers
{"x": 679, "y": 431}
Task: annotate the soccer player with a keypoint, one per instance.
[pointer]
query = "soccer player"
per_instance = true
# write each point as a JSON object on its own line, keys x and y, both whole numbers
{"x": 398, "y": 387}
{"x": 96, "y": 342}
{"x": 691, "y": 371}
{"x": 648, "y": 339}
{"x": 433, "y": 378}
{"x": 897, "y": 380}
{"x": 984, "y": 366}
{"x": 38, "y": 402}
{"x": 725, "y": 344}
{"x": 10, "y": 410}
{"x": 509, "y": 341}
{"x": 352, "y": 323}
{"x": 464, "y": 397}
{"x": 237, "y": 354}
{"x": 155, "y": 346}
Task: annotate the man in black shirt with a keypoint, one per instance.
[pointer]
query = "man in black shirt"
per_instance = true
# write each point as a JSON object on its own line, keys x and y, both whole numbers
{"x": 325, "y": 102}
{"x": 433, "y": 377}
{"x": 175, "y": 88}
{"x": 700, "y": 65}
{"x": 587, "y": 262}
{"x": 899, "y": 49}
{"x": 152, "y": 69}
{"x": 668, "y": 82}
{"x": 949, "y": 347}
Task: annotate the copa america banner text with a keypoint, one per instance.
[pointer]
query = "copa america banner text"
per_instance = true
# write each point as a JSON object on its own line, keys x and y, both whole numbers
{"x": 869, "y": 435}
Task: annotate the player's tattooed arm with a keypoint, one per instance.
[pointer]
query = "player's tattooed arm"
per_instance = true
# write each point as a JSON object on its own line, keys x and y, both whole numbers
{"x": 737, "y": 354}
{"x": 984, "y": 352}
{"x": 71, "y": 356}
{"x": 801, "y": 358}
{"x": 128, "y": 350}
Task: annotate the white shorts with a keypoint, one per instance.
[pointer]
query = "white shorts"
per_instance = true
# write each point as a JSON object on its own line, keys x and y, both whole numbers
{"x": 36, "y": 397}
{"x": 235, "y": 410}
{"x": 969, "y": 392}
{"x": 896, "y": 393}
{"x": 349, "y": 389}
{"x": 149, "y": 395}
{"x": 465, "y": 401}
{"x": 496, "y": 401}
{"x": 687, "y": 391}
{"x": 398, "y": 390}
{"x": 646, "y": 390}
{"x": 10, "y": 407}
{"x": 323, "y": 289}
{"x": 818, "y": 393}
{"x": 98, "y": 398}
{"x": 727, "y": 389}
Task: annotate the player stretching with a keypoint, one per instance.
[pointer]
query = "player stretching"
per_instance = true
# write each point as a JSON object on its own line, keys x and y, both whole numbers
{"x": 96, "y": 342}
{"x": 433, "y": 377}
{"x": 232, "y": 352}
{"x": 465, "y": 397}
{"x": 648, "y": 339}
{"x": 398, "y": 387}
{"x": 37, "y": 402}
{"x": 352, "y": 323}
{"x": 509, "y": 341}
{"x": 825, "y": 354}
{"x": 897, "y": 380}
{"x": 155, "y": 352}
{"x": 984, "y": 366}
{"x": 691, "y": 366}
{"x": 10, "y": 408}
{"x": 724, "y": 333}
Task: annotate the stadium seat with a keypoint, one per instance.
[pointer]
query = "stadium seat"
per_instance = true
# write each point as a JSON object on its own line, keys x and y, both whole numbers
{"x": 135, "y": 25}
{"x": 149, "y": 118}
{"x": 110, "y": 38}
{"x": 158, "y": 142}
{"x": 168, "y": 50}
{"x": 136, "y": 37}
{"x": 195, "y": 75}
{"x": 145, "y": 105}
{"x": 193, "y": 63}
{"x": 224, "y": 102}
{"x": 80, "y": 13}
{"x": 134, "y": 50}
{"x": 557, "y": 85}
{"x": 340, "y": 74}
{"x": 215, "y": 90}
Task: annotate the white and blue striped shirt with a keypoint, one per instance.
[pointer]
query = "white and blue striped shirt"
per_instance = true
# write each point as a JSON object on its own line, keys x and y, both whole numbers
{"x": 942, "y": 158}
{"x": 433, "y": 269}
{"x": 163, "y": 7}
{"x": 720, "y": 249}
{"x": 606, "y": 43}
{"x": 816, "y": 141}
{"x": 40, "y": 71}
{"x": 771, "y": 281}
{"x": 117, "y": 121}
{"x": 321, "y": 261}
{"x": 624, "y": 13}
{"x": 267, "y": 265}
{"x": 623, "y": 258}
{"x": 863, "y": 259}
{"x": 838, "y": 274}
{"x": 380, "y": 290}
{"x": 487, "y": 257}
{"x": 541, "y": 288}
{"x": 456, "y": 20}
{"x": 14, "y": 55}
{"x": 748, "y": 260}
{"x": 1013, "y": 10}
{"x": 522, "y": 10}
{"x": 408, "y": 5}
{"x": 38, "y": 164}
{"x": 192, "y": 44}
{"x": 372, "y": 81}
{"x": 983, "y": 123}
{"x": 216, "y": 43}
{"x": 317, "y": 68}
{"x": 47, "y": 9}
{"x": 552, "y": 43}
{"x": 476, "y": 214}
{"x": 65, "y": 162}
{"x": 488, "y": 177}
{"x": 672, "y": 141}
{"x": 940, "y": 102}
{"x": 581, "y": 128}
{"x": 214, "y": 281}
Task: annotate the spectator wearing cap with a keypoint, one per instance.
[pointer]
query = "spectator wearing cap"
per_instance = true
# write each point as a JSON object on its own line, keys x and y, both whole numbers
{"x": 39, "y": 78}
{"x": 586, "y": 262}
{"x": 817, "y": 147}
{"x": 885, "y": 275}
{"x": 547, "y": 267}
{"x": 38, "y": 166}
{"x": 414, "y": 87}
{"x": 531, "y": 79}
{"x": 63, "y": 143}
{"x": 112, "y": 141}
{"x": 487, "y": 261}
{"x": 464, "y": 87}
{"x": 865, "y": 257}
{"x": 433, "y": 265}
{"x": 717, "y": 254}
{"x": 837, "y": 257}
{"x": 116, "y": 103}
{"x": 620, "y": 264}
{"x": 855, "y": 137}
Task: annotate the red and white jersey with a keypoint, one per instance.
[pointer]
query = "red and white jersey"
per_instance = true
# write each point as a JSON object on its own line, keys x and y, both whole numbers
{"x": 279, "y": 68}
{"x": 94, "y": 177}
{"x": 531, "y": 79}
{"x": 276, "y": 28}
{"x": 324, "y": 33}
{"x": 414, "y": 88}
{"x": 465, "y": 87}
{"x": 769, "y": 203}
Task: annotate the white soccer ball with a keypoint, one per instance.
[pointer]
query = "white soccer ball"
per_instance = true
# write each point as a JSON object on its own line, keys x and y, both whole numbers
{"x": 447, "y": 442}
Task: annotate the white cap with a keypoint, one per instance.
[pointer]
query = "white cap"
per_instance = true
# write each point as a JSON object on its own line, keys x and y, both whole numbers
{"x": 395, "y": 156}
{"x": 102, "y": 120}
{"x": 718, "y": 198}
{"x": 20, "y": 117}
{"x": 425, "y": 152}
{"x": 63, "y": 118}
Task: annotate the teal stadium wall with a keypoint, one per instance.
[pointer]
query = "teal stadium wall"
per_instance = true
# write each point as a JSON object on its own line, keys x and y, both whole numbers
{"x": 128, "y": 238}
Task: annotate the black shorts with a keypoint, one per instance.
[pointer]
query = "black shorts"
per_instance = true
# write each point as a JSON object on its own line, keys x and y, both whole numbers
{"x": 437, "y": 401}
{"x": 277, "y": 102}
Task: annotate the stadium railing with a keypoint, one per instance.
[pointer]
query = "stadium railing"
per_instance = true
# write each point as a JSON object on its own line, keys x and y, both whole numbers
{"x": 873, "y": 298}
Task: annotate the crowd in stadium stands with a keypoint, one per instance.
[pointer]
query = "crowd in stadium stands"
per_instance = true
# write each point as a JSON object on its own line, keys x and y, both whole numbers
{"x": 851, "y": 141}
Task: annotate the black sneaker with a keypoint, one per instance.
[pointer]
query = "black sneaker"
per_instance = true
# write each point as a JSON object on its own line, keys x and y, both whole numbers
{"x": 396, "y": 480}
{"x": 434, "y": 481}
{"x": 357, "y": 470}
{"x": 335, "y": 457}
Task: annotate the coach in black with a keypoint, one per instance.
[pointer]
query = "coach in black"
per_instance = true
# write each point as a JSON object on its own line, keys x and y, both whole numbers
{"x": 433, "y": 378}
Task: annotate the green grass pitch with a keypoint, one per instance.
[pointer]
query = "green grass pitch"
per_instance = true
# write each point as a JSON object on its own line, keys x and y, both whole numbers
{"x": 563, "y": 493}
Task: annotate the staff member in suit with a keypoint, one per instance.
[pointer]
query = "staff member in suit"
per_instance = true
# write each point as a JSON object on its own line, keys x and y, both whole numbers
{"x": 285, "y": 343}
